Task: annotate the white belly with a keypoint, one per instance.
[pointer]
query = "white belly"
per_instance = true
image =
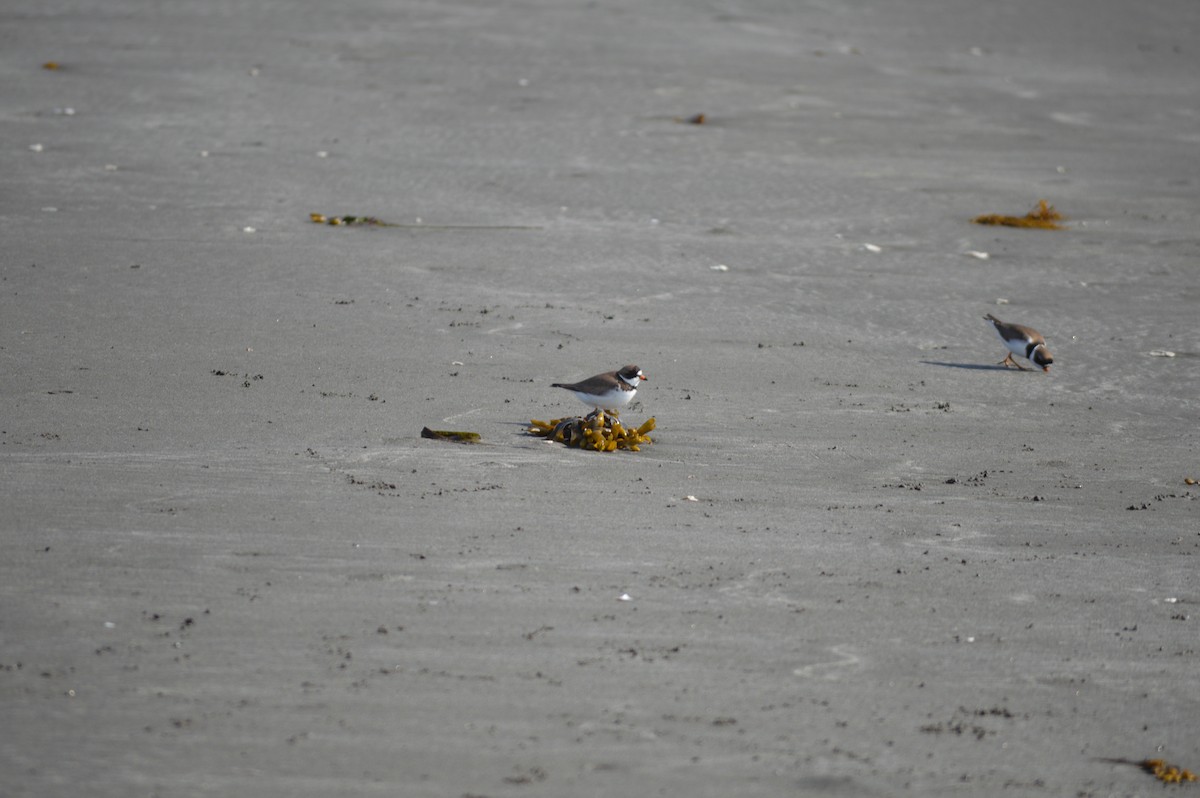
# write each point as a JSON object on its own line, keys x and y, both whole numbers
{"x": 607, "y": 401}
{"x": 1018, "y": 346}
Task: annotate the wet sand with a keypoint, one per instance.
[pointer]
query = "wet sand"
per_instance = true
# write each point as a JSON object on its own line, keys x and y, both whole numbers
{"x": 860, "y": 558}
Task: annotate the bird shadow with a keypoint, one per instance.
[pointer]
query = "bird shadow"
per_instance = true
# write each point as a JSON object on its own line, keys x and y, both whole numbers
{"x": 970, "y": 366}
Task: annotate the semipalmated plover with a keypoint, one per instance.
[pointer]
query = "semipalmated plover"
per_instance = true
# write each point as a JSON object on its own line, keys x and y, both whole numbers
{"x": 1022, "y": 341}
{"x": 607, "y": 391}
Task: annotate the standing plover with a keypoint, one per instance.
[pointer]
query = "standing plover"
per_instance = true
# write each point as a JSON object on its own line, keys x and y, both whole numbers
{"x": 608, "y": 391}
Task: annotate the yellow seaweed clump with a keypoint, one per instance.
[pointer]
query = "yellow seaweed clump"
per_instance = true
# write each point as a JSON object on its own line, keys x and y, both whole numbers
{"x": 1167, "y": 773}
{"x": 1042, "y": 216}
{"x": 599, "y": 432}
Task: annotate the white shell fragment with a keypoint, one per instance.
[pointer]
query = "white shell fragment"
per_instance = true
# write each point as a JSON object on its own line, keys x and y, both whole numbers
{"x": 720, "y": 267}
{"x": 974, "y": 253}
{"x": 872, "y": 248}
{"x": 624, "y": 597}
{"x": 1161, "y": 353}
{"x": 690, "y": 498}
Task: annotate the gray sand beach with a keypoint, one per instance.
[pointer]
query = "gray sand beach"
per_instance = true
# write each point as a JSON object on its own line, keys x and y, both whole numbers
{"x": 860, "y": 559}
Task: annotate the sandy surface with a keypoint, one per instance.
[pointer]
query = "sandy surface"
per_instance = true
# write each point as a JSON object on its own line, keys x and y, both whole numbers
{"x": 232, "y": 567}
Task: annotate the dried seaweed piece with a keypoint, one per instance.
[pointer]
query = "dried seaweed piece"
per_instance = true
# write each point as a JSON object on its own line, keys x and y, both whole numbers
{"x": 599, "y": 432}
{"x": 338, "y": 221}
{"x": 451, "y": 435}
{"x": 694, "y": 119}
{"x": 1166, "y": 772}
{"x": 1159, "y": 769}
{"x": 51, "y": 65}
{"x": 1043, "y": 216}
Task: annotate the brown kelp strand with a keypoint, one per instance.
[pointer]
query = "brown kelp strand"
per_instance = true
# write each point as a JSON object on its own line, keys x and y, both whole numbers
{"x": 1043, "y": 216}
{"x": 457, "y": 436}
